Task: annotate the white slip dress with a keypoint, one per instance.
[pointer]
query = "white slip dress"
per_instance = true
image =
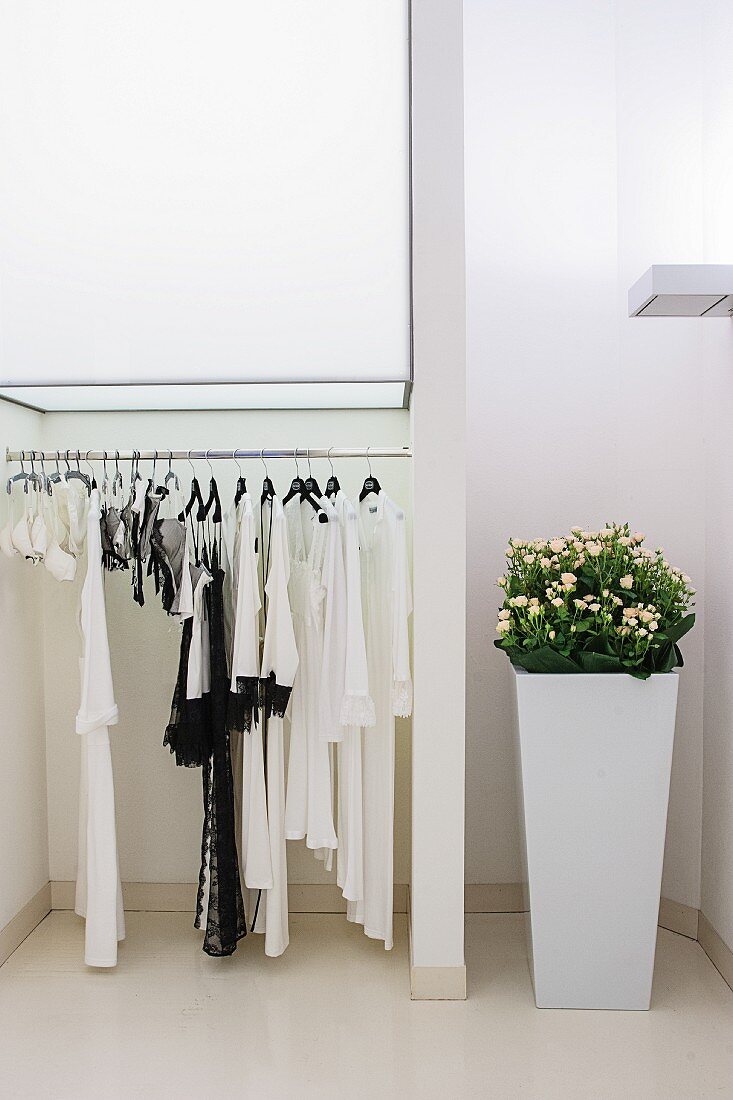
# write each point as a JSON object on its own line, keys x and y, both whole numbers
{"x": 308, "y": 803}
{"x": 279, "y": 662}
{"x": 387, "y": 603}
{"x": 98, "y": 887}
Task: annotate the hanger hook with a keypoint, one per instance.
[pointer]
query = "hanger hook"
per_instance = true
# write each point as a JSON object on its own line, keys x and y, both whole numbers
{"x": 193, "y": 468}
{"x": 295, "y": 460}
{"x": 209, "y": 464}
{"x": 234, "y": 457}
{"x": 58, "y": 471}
{"x": 308, "y": 455}
{"x": 328, "y": 456}
{"x": 369, "y": 463}
{"x": 262, "y": 460}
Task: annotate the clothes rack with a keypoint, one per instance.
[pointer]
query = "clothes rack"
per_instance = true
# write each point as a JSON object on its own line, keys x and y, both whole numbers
{"x": 178, "y": 455}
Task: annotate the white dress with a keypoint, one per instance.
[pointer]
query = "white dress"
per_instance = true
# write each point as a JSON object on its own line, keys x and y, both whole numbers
{"x": 98, "y": 888}
{"x": 279, "y": 667}
{"x": 308, "y": 805}
{"x": 387, "y": 602}
{"x": 357, "y": 710}
{"x": 244, "y": 705}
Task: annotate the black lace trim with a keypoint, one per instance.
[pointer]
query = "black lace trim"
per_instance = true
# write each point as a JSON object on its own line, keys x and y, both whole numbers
{"x": 242, "y": 704}
{"x": 252, "y": 695}
{"x": 274, "y": 697}
{"x": 188, "y": 733}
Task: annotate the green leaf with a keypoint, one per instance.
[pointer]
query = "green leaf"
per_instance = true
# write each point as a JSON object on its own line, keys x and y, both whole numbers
{"x": 599, "y": 662}
{"x": 678, "y": 630}
{"x": 666, "y": 659}
{"x": 546, "y": 659}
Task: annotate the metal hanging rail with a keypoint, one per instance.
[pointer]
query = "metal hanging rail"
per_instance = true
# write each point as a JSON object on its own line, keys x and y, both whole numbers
{"x": 165, "y": 453}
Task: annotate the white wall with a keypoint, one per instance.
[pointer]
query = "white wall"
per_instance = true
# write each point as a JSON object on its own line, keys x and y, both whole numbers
{"x": 583, "y": 164}
{"x": 158, "y": 804}
{"x": 23, "y": 826}
{"x": 717, "y": 849}
{"x": 439, "y": 439}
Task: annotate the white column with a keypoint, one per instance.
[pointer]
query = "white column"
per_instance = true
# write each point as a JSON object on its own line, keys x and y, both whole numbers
{"x": 439, "y": 502}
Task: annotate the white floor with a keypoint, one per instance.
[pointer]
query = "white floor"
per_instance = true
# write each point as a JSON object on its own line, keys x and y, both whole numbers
{"x": 333, "y": 1018}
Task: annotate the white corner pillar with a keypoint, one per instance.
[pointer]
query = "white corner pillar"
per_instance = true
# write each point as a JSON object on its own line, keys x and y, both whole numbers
{"x": 439, "y": 502}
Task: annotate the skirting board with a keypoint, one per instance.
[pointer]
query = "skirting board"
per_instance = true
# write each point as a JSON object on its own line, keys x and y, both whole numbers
{"x": 679, "y": 918}
{"x": 23, "y": 923}
{"x": 180, "y": 897}
{"x": 438, "y": 983}
{"x": 434, "y": 983}
{"x": 508, "y": 897}
{"x": 716, "y": 949}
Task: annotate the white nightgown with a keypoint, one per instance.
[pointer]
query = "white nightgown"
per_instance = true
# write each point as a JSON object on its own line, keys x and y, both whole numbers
{"x": 387, "y": 602}
{"x": 279, "y": 666}
{"x": 308, "y": 806}
{"x": 357, "y": 710}
{"x": 255, "y": 840}
{"x": 98, "y": 888}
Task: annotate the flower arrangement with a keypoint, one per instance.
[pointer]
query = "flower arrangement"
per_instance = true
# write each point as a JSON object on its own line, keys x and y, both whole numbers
{"x": 594, "y": 601}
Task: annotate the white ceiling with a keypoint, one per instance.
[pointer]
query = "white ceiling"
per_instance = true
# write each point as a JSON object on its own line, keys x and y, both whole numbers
{"x": 213, "y": 192}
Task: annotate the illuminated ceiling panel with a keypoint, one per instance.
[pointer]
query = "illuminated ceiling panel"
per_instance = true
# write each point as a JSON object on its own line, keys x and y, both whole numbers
{"x": 204, "y": 193}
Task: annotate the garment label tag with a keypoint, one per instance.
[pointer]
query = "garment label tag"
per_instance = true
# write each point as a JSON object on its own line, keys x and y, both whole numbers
{"x": 372, "y": 511}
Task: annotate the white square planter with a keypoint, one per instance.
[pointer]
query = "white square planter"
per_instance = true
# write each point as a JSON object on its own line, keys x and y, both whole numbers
{"x": 596, "y": 756}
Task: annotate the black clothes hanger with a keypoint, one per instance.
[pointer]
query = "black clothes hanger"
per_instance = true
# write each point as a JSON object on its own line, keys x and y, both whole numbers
{"x": 241, "y": 482}
{"x": 268, "y": 489}
{"x": 297, "y": 485}
{"x": 213, "y": 501}
{"x": 195, "y": 499}
{"x": 371, "y": 485}
{"x": 333, "y": 485}
{"x": 311, "y": 484}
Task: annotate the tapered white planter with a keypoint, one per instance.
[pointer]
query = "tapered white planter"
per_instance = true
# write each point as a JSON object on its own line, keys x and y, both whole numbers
{"x": 596, "y": 756}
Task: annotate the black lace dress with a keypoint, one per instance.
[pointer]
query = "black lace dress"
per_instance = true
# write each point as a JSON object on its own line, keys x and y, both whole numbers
{"x": 197, "y": 734}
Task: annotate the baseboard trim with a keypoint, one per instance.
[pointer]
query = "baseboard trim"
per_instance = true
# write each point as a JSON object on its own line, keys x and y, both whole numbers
{"x": 180, "y": 897}
{"x": 23, "y": 923}
{"x": 679, "y": 918}
{"x": 716, "y": 949}
{"x": 427, "y": 983}
{"x": 508, "y": 897}
{"x": 494, "y": 897}
{"x": 438, "y": 983}
{"x": 433, "y": 983}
